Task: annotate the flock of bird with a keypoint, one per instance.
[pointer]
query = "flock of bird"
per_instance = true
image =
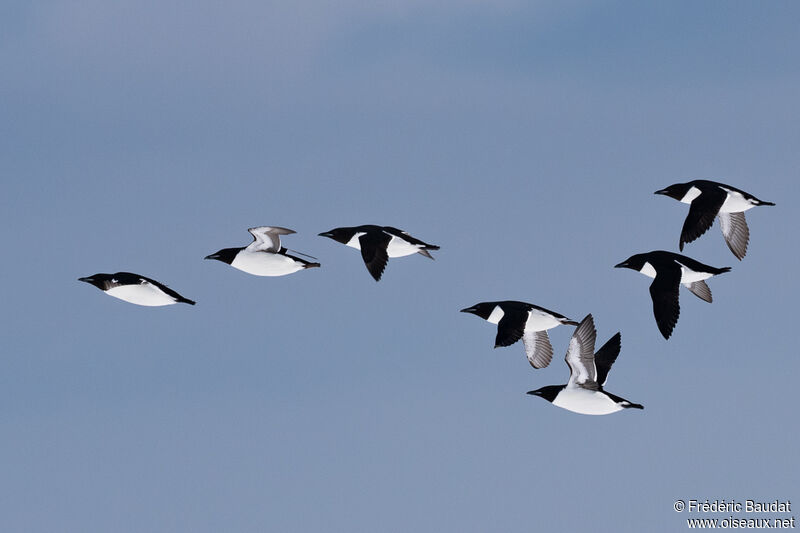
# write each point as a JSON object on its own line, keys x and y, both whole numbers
{"x": 584, "y": 392}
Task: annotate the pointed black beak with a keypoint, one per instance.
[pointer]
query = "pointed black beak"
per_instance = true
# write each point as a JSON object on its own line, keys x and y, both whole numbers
{"x": 86, "y": 280}
{"x": 212, "y": 256}
{"x": 325, "y": 234}
{"x": 662, "y": 191}
{"x": 624, "y": 264}
{"x": 534, "y": 392}
{"x": 468, "y": 310}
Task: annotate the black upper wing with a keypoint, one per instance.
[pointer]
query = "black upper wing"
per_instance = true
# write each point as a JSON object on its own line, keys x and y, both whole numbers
{"x": 664, "y": 292}
{"x": 606, "y": 356}
{"x": 511, "y": 327}
{"x": 373, "y": 251}
{"x": 701, "y": 215}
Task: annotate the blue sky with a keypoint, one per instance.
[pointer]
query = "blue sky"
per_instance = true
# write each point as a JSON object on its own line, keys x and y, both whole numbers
{"x": 526, "y": 139}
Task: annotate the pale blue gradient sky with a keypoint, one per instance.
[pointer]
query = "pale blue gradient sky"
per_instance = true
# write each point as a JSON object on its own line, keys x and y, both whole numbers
{"x": 524, "y": 138}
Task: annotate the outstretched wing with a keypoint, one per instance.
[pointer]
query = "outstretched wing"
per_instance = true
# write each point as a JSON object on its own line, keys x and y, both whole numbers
{"x": 701, "y": 214}
{"x": 734, "y": 229}
{"x": 511, "y": 327}
{"x": 580, "y": 356}
{"x": 267, "y": 238}
{"x": 538, "y": 348}
{"x": 373, "y": 251}
{"x": 606, "y": 356}
{"x": 699, "y": 289}
{"x": 664, "y": 292}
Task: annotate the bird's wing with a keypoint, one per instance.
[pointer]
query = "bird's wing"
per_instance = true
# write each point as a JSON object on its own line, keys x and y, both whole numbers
{"x": 701, "y": 214}
{"x": 580, "y": 356}
{"x": 734, "y": 229}
{"x": 664, "y": 292}
{"x": 511, "y": 327}
{"x": 373, "y": 251}
{"x": 538, "y": 348}
{"x": 606, "y": 356}
{"x": 267, "y": 238}
{"x": 699, "y": 289}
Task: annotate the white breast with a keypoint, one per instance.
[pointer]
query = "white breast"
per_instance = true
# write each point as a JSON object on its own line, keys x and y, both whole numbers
{"x": 690, "y": 195}
{"x": 354, "y": 242}
{"x": 648, "y": 270}
{"x": 586, "y": 402}
{"x": 265, "y": 263}
{"x": 142, "y": 294}
{"x": 496, "y": 315}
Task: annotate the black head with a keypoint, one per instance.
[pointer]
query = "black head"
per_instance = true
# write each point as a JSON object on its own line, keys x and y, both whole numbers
{"x": 225, "y": 255}
{"x": 549, "y": 392}
{"x": 98, "y": 280}
{"x": 483, "y": 309}
{"x": 342, "y": 235}
{"x": 634, "y": 262}
{"x": 676, "y": 191}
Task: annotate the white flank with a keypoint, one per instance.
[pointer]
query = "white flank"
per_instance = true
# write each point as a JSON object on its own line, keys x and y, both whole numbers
{"x": 690, "y": 276}
{"x": 401, "y": 248}
{"x": 735, "y": 203}
{"x": 539, "y": 321}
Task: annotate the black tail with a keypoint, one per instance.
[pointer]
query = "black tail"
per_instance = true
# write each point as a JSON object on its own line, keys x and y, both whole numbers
{"x": 761, "y": 202}
{"x": 185, "y": 301}
{"x": 311, "y": 265}
{"x": 722, "y": 270}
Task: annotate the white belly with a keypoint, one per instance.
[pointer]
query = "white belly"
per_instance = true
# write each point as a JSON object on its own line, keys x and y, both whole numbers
{"x": 538, "y": 321}
{"x": 266, "y": 264}
{"x": 586, "y": 402}
{"x": 143, "y": 294}
{"x": 735, "y": 203}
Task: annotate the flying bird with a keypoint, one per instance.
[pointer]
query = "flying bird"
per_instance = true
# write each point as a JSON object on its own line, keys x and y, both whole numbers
{"x": 521, "y": 320}
{"x": 670, "y": 270}
{"x": 264, "y": 256}
{"x": 136, "y": 289}
{"x": 709, "y": 199}
{"x": 378, "y": 244}
{"x": 588, "y": 372}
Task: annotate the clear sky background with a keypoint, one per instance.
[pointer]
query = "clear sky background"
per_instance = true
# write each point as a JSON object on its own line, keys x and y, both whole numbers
{"x": 524, "y": 138}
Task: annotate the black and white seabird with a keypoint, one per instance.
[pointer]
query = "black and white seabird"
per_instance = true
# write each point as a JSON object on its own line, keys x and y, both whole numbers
{"x": 670, "y": 270}
{"x": 378, "y": 244}
{"x": 588, "y": 372}
{"x": 136, "y": 289}
{"x": 264, "y": 256}
{"x": 521, "y": 320}
{"x": 709, "y": 199}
